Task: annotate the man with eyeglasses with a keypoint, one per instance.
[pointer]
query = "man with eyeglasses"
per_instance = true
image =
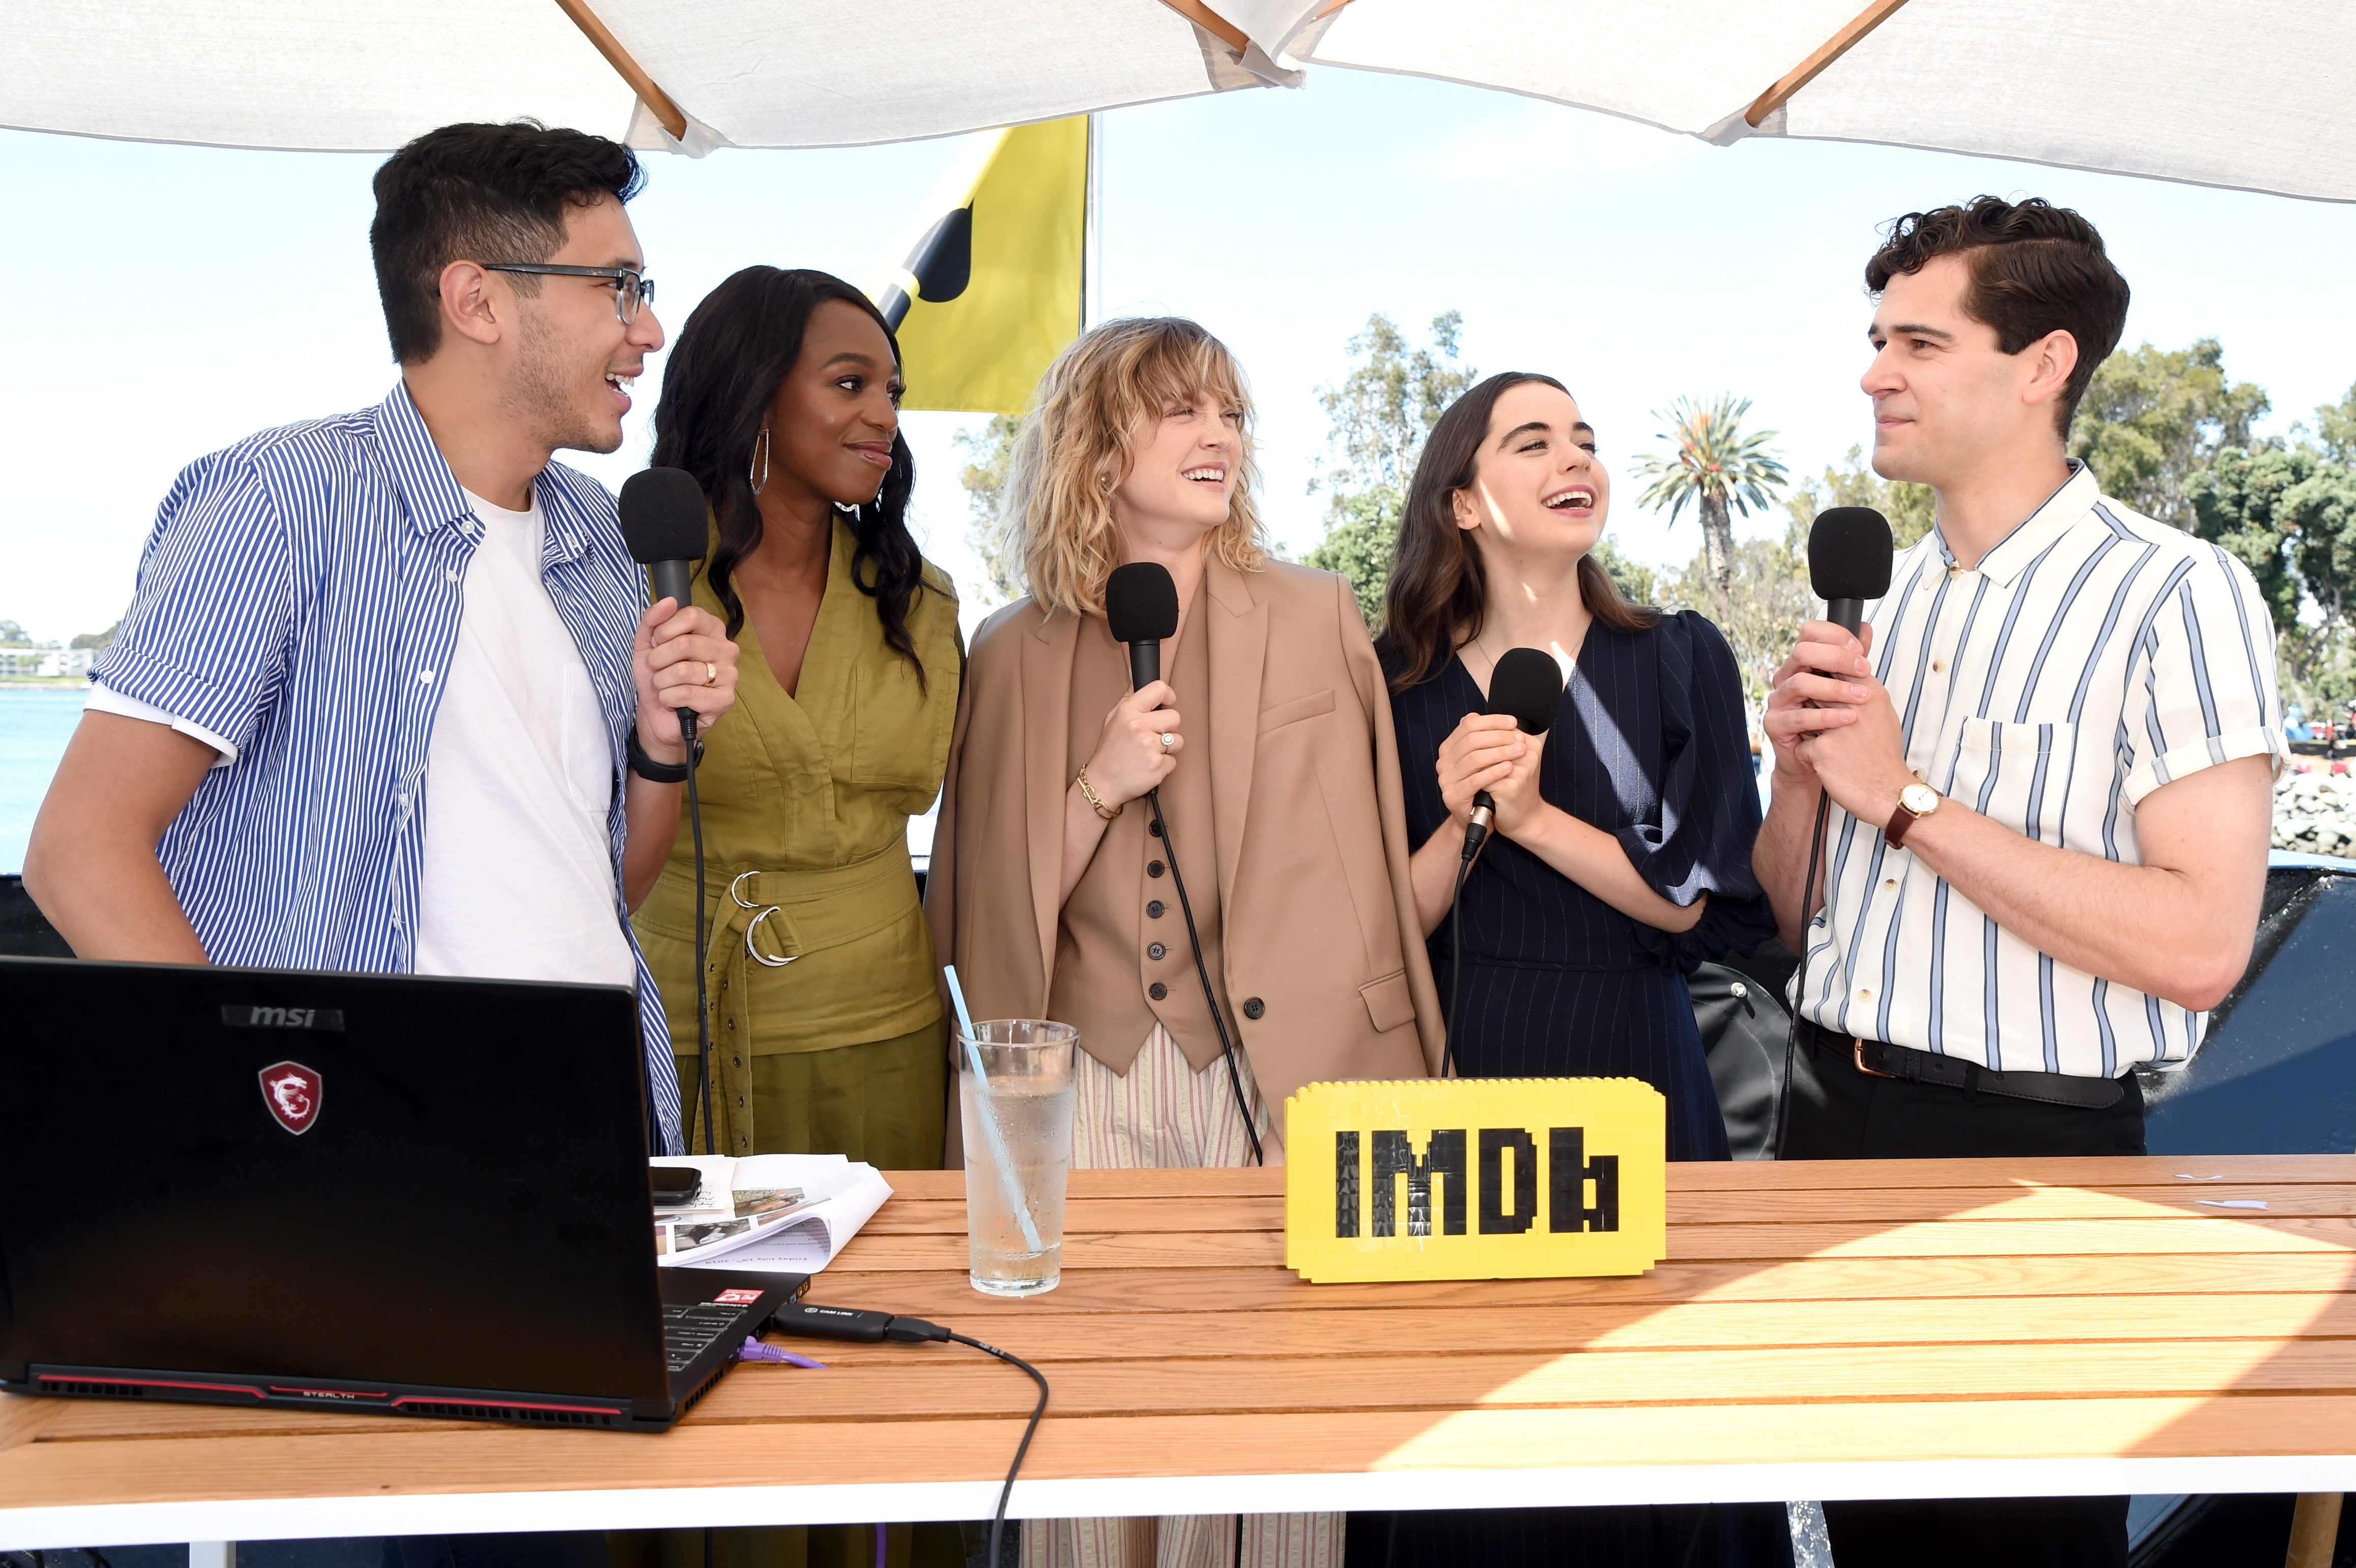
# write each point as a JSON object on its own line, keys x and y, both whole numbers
{"x": 389, "y": 696}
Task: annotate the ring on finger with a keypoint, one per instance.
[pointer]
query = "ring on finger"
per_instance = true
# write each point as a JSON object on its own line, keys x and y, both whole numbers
{"x": 1167, "y": 739}
{"x": 711, "y": 672}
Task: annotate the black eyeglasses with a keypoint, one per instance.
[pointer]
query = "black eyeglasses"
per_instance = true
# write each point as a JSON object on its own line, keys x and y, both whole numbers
{"x": 631, "y": 289}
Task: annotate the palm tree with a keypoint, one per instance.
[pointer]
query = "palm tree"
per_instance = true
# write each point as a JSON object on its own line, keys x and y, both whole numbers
{"x": 1712, "y": 463}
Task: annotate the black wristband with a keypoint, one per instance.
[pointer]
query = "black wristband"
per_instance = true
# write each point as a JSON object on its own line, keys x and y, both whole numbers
{"x": 653, "y": 771}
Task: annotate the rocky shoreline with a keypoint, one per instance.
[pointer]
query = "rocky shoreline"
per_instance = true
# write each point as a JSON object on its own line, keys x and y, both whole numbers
{"x": 2315, "y": 811}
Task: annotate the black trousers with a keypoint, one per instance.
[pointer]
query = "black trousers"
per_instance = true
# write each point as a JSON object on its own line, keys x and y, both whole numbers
{"x": 1839, "y": 1113}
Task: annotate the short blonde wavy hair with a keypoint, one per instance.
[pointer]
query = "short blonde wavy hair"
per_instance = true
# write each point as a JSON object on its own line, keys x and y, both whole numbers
{"x": 1073, "y": 452}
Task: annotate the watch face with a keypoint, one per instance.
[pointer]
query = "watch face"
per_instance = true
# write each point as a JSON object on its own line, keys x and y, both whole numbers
{"x": 1919, "y": 799}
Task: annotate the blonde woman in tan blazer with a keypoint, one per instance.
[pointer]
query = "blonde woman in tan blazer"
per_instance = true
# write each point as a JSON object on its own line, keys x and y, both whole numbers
{"x": 1270, "y": 738}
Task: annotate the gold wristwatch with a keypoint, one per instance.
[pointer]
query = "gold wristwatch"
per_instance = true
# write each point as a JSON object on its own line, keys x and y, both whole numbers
{"x": 1915, "y": 802}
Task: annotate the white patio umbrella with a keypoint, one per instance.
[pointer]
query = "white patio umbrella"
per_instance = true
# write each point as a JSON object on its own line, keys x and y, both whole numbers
{"x": 367, "y": 75}
{"x": 2248, "y": 93}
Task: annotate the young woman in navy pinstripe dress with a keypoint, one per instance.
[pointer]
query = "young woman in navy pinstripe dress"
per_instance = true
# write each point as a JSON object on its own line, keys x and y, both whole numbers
{"x": 1620, "y": 857}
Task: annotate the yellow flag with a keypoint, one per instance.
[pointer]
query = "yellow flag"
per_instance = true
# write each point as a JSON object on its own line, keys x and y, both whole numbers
{"x": 991, "y": 271}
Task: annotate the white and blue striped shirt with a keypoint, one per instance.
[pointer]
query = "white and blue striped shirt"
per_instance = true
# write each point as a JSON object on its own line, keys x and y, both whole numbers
{"x": 300, "y": 598}
{"x": 2091, "y": 657}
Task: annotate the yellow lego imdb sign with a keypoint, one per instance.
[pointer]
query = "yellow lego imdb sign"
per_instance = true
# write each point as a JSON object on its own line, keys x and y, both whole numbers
{"x": 1475, "y": 1179}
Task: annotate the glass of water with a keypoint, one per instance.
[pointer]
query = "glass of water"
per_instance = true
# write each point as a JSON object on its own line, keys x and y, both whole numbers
{"x": 1015, "y": 1090}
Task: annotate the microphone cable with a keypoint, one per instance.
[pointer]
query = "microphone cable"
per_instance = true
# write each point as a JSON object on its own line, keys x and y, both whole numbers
{"x": 703, "y": 961}
{"x": 1800, "y": 976}
{"x": 1455, "y": 969}
{"x": 1203, "y": 972}
{"x": 870, "y": 1328}
{"x": 1477, "y": 838}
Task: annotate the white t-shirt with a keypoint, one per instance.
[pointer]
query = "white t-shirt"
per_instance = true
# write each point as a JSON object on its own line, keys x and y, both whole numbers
{"x": 518, "y": 875}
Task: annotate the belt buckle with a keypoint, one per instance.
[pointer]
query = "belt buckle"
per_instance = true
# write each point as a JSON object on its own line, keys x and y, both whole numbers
{"x": 752, "y": 947}
{"x": 1857, "y": 1054}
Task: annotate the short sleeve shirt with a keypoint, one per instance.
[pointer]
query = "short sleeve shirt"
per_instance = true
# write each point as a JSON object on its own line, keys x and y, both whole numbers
{"x": 2091, "y": 657}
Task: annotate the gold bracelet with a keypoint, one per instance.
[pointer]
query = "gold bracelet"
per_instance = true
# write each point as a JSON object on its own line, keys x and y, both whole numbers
{"x": 1093, "y": 800}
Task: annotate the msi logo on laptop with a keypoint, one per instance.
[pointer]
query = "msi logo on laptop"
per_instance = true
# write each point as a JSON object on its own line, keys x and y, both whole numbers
{"x": 292, "y": 1092}
{"x": 241, "y": 1017}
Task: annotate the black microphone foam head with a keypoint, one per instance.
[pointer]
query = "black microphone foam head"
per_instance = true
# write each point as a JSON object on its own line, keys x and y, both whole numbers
{"x": 1527, "y": 684}
{"x": 664, "y": 517}
{"x": 1849, "y": 552}
{"x": 1141, "y": 602}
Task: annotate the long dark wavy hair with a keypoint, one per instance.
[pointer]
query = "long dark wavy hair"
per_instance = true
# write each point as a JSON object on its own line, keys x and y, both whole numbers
{"x": 1437, "y": 594}
{"x": 722, "y": 375}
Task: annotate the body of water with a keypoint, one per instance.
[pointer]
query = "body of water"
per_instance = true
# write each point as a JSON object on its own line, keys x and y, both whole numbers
{"x": 34, "y": 728}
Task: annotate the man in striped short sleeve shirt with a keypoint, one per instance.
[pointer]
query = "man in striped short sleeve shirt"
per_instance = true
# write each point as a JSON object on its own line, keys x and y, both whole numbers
{"x": 373, "y": 703}
{"x": 2050, "y": 758}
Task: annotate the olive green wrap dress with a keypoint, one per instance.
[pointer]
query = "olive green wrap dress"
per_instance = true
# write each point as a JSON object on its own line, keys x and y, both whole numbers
{"x": 827, "y": 1028}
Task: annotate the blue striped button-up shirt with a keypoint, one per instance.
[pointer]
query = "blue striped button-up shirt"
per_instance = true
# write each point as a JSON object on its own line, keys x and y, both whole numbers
{"x": 2091, "y": 657}
{"x": 299, "y": 597}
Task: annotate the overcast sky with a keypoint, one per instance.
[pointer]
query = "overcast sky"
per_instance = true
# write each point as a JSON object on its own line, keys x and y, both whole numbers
{"x": 169, "y": 300}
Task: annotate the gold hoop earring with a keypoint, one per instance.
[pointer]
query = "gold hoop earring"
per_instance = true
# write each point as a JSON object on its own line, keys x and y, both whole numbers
{"x": 764, "y": 479}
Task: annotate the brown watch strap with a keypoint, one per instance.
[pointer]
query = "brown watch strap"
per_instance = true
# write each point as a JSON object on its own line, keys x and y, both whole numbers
{"x": 1894, "y": 834}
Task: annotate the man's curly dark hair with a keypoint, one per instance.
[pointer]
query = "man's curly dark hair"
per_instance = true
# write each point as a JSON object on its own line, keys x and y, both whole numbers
{"x": 2035, "y": 268}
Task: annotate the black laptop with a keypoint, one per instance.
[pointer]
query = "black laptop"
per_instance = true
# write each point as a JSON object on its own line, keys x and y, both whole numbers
{"x": 274, "y": 1188}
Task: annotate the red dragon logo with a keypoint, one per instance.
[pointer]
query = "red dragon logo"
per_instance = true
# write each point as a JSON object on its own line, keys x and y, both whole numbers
{"x": 292, "y": 1091}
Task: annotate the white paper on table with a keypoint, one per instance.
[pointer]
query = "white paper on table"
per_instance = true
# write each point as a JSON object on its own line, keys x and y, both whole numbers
{"x": 847, "y": 1196}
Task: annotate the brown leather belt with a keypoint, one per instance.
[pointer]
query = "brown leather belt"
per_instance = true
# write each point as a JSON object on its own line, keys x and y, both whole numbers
{"x": 1879, "y": 1058}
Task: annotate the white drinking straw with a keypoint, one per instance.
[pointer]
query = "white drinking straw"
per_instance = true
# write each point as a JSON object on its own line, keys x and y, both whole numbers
{"x": 990, "y": 1126}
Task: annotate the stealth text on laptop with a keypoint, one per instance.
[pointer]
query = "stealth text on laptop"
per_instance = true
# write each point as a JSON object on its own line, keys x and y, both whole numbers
{"x": 260, "y": 1186}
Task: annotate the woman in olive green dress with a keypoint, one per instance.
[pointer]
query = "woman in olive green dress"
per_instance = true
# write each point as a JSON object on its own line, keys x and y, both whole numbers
{"x": 781, "y": 398}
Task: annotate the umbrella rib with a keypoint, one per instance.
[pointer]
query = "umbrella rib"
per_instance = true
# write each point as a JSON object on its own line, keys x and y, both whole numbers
{"x": 657, "y": 101}
{"x": 1807, "y": 71}
{"x": 1203, "y": 17}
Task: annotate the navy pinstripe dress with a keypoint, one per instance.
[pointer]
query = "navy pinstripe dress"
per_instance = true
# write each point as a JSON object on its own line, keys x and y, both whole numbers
{"x": 1650, "y": 745}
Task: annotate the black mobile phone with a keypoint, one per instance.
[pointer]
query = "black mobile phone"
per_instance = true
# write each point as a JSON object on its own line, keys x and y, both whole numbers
{"x": 674, "y": 1183}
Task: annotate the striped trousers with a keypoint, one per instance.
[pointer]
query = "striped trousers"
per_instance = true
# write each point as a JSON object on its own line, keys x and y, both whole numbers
{"x": 1163, "y": 1115}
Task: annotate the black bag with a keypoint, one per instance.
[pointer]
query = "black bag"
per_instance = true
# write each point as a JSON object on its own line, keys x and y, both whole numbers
{"x": 1744, "y": 1029}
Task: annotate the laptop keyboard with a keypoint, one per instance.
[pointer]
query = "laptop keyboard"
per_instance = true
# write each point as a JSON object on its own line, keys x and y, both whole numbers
{"x": 689, "y": 1331}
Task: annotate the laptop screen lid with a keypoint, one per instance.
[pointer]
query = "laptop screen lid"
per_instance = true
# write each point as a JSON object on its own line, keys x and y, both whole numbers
{"x": 265, "y": 1172}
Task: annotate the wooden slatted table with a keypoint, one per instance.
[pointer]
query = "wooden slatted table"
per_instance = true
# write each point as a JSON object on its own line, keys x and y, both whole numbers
{"x": 1884, "y": 1329}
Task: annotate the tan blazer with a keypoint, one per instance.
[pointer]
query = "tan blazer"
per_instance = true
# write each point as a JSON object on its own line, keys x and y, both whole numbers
{"x": 1308, "y": 819}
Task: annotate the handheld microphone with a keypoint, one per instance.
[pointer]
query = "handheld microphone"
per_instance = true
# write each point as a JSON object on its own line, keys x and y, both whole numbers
{"x": 1849, "y": 554}
{"x": 1141, "y": 608}
{"x": 1526, "y": 684}
{"x": 665, "y": 523}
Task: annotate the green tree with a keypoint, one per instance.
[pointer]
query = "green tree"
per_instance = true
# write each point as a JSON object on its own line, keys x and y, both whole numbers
{"x": 1911, "y": 508}
{"x": 13, "y": 635}
{"x": 2290, "y": 517}
{"x": 96, "y": 639}
{"x": 1760, "y": 610}
{"x": 2151, "y": 419}
{"x": 984, "y": 479}
{"x": 2335, "y": 427}
{"x": 1640, "y": 582}
{"x": 1713, "y": 464}
{"x": 1376, "y": 421}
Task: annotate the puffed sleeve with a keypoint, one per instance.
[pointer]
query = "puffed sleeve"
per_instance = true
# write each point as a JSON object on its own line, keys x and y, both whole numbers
{"x": 1708, "y": 815}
